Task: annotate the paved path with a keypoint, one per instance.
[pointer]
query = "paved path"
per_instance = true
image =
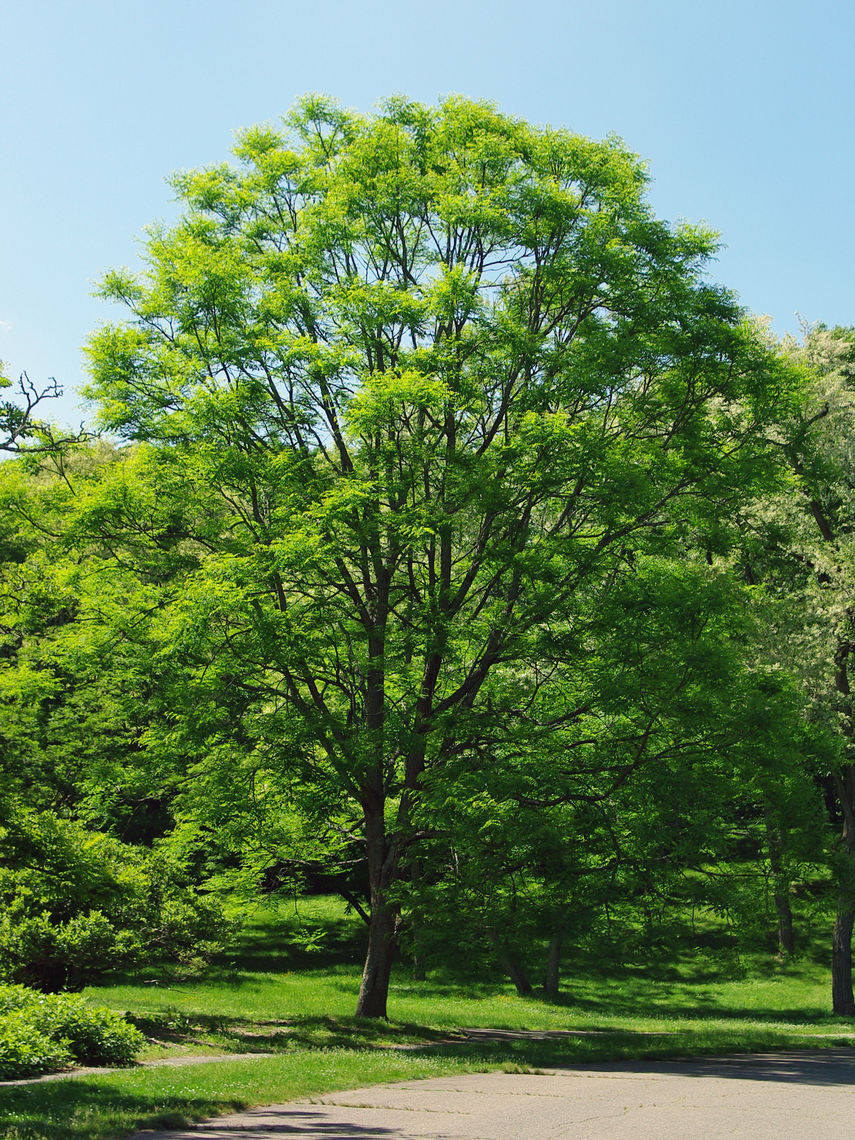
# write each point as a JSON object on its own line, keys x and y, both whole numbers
{"x": 776, "y": 1096}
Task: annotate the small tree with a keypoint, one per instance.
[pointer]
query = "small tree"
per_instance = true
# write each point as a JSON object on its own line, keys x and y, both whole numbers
{"x": 431, "y": 377}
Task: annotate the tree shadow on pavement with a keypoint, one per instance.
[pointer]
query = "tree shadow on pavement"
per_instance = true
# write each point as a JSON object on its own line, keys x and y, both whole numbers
{"x": 807, "y": 1067}
{"x": 261, "y": 1125}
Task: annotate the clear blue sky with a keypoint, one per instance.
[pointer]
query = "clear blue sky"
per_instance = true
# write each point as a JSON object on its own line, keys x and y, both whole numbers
{"x": 742, "y": 109}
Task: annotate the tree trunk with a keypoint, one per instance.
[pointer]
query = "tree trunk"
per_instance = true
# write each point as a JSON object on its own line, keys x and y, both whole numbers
{"x": 842, "y": 999}
{"x": 553, "y": 966}
{"x": 382, "y": 929}
{"x": 374, "y": 988}
{"x": 418, "y": 969}
{"x": 780, "y": 888}
{"x": 786, "y": 934}
{"x": 517, "y": 975}
{"x": 511, "y": 967}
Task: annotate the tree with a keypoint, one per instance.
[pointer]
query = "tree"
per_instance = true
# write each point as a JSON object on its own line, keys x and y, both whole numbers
{"x": 654, "y": 795}
{"x": 433, "y": 378}
{"x": 75, "y": 701}
{"x": 799, "y": 545}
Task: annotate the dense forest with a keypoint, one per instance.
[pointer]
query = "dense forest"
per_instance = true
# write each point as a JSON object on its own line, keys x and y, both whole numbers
{"x": 449, "y": 542}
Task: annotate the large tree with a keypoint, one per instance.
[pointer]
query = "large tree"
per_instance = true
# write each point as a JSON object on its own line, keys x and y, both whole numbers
{"x": 434, "y": 377}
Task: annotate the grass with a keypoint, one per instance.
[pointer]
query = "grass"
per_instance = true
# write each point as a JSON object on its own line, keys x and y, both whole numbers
{"x": 287, "y": 994}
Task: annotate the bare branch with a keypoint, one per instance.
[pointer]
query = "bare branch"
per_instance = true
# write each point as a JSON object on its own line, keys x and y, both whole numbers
{"x": 20, "y": 431}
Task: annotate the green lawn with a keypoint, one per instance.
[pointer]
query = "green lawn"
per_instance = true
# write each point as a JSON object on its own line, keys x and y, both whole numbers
{"x": 294, "y": 1002}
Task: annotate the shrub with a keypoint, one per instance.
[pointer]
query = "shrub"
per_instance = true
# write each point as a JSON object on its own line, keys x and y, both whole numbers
{"x": 14, "y": 997}
{"x": 25, "y": 1052}
{"x": 44, "y": 1032}
{"x": 75, "y": 904}
{"x": 95, "y": 1036}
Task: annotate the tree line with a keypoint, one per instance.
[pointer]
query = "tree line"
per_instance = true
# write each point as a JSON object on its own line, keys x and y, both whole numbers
{"x": 459, "y": 547}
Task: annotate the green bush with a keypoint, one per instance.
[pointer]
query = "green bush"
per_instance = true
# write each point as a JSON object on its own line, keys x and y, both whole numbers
{"x": 75, "y": 904}
{"x": 26, "y": 1052}
{"x": 15, "y": 997}
{"x": 44, "y": 1032}
{"x": 95, "y": 1036}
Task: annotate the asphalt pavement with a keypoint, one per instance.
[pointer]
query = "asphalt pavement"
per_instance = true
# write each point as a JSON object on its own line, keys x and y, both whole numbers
{"x": 806, "y": 1095}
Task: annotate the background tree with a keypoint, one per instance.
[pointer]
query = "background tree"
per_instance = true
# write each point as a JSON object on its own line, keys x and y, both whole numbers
{"x": 799, "y": 546}
{"x": 656, "y": 796}
{"x": 77, "y": 696}
{"x": 432, "y": 377}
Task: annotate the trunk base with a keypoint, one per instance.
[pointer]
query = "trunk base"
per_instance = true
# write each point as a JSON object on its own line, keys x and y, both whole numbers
{"x": 374, "y": 988}
{"x": 842, "y": 998}
{"x": 552, "y": 980}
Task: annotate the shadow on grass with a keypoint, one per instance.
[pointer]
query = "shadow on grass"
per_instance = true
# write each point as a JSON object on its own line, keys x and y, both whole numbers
{"x": 688, "y": 987}
{"x": 624, "y": 996}
{"x": 278, "y": 949}
{"x": 64, "y": 1110}
{"x": 241, "y": 1035}
{"x": 749, "y": 1057}
{"x": 494, "y": 1046}
{"x": 621, "y": 1051}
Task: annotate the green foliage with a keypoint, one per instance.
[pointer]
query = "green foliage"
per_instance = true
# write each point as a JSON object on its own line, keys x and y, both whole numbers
{"x": 76, "y": 904}
{"x": 94, "y": 1036}
{"x": 45, "y": 1032}
{"x": 416, "y": 577}
{"x": 77, "y": 689}
{"x": 27, "y": 1052}
{"x": 432, "y": 411}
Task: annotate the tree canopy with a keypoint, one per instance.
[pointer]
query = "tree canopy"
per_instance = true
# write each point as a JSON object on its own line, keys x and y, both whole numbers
{"x": 436, "y": 383}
